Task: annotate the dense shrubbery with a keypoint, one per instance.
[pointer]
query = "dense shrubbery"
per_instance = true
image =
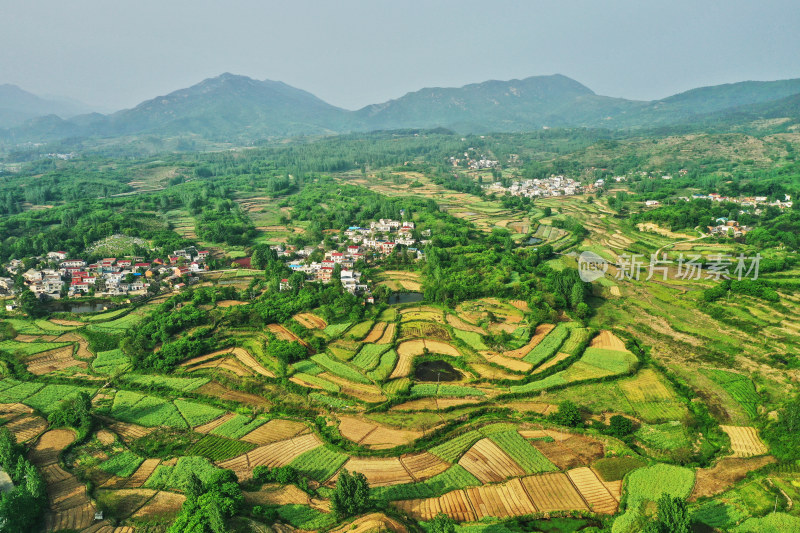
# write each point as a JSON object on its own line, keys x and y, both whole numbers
{"x": 21, "y": 508}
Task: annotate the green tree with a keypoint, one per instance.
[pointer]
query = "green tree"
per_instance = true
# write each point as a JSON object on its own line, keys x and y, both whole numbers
{"x": 351, "y": 496}
{"x": 620, "y": 426}
{"x": 442, "y": 523}
{"x": 672, "y": 516}
{"x": 568, "y": 414}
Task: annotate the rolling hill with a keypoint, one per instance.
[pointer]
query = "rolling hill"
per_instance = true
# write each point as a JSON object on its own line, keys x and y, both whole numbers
{"x": 238, "y": 109}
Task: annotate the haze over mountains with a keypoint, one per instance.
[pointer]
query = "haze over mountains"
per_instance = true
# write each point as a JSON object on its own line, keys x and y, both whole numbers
{"x": 231, "y": 108}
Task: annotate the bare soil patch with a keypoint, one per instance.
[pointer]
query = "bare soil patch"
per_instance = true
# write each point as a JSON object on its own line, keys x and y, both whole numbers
{"x": 728, "y": 471}
{"x": 489, "y": 463}
{"x": 745, "y": 441}
{"x": 310, "y": 321}
{"x": 275, "y": 430}
{"x": 375, "y": 333}
{"x": 608, "y": 341}
{"x": 593, "y": 491}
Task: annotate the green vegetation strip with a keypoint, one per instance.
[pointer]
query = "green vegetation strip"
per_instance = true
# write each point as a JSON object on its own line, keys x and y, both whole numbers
{"x": 523, "y": 452}
{"x": 320, "y": 463}
{"x": 122, "y": 464}
{"x": 455, "y": 477}
{"x": 340, "y": 369}
{"x": 548, "y": 347}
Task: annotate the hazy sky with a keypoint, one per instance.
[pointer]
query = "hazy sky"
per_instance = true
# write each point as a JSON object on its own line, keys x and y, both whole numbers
{"x": 117, "y": 53}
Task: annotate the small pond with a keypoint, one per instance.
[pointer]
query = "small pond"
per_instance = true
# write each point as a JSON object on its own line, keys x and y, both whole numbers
{"x": 436, "y": 371}
{"x": 405, "y": 297}
{"x": 79, "y": 307}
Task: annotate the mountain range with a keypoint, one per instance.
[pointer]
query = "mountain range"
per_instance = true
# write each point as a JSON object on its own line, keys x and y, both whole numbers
{"x": 232, "y": 108}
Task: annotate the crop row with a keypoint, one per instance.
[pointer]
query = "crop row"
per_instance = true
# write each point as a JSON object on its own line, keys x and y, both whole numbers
{"x": 238, "y": 426}
{"x": 548, "y": 347}
{"x": 121, "y": 464}
{"x": 523, "y": 452}
{"x": 219, "y": 448}
{"x": 319, "y": 464}
{"x": 369, "y": 356}
{"x": 739, "y": 387}
{"x": 455, "y": 477}
{"x": 181, "y": 384}
{"x": 340, "y": 369}
{"x": 385, "y": 367}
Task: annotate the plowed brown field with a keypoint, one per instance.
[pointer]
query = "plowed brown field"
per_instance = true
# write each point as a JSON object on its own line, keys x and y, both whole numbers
{"x": 593, "y": 491}
{"x": 745, "y": 441}
{"x": 489, "y": 463}
{"x": 275, "y": 430}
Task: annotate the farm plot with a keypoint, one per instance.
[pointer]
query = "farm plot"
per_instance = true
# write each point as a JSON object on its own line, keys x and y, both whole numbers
{"x": 385, "y": 367}
{"x": 313, "y": 382}
{"x": 237, "y": 426}
{"x": 50, "y": 397}
{"x": 275, "y": 430}
{"x": 373, "y": 435}
{"x": 273, "y": 455}
{"x": 451, "y": 479}
{"x": 320, "y": 463}
{"x": 388, "y": 334}
{"x": 608, "y": 341}
{"x": 218, "y": 448}
{"x": 26, "y": 427}
{"x": 53, "y": 360}
{"x": 455, "y": 504}
{"x": 425, "y": 330}
{"x": 745, "y": 441}
{"x": 547, "y": 346}
{"x": 163, "y": 506}
{"x": 310, "y": 321}
{"x": 406, "y": 352}
{"x": 339, "y": 368}
{"x": 121, "y": 464}
{"x": 30, "y": 348}
{"x": 651, "y": 399}
{"x": 380, "y": 471}
{"x": 369, "y": 356}
{"x": 146, "y": 410}
{"x": 471, "y": 339}
{"x": 173, "y": 475}
{"x": 250, "y": 362}
{"x": 284, "y": 334}
{"x": 523, "y": 452}
{"x": 505, "y": 499}
{"x": 567, "y": 450}
{"x": 197, "y": 414}
{"x": 70, "y": 506}
{"x": 507, "y": 362}
{"x": 553, "y": 492}
{"x": 649, "y": 483}
{"x": 457, "y": 323}
{"x": 375, "y": 333}
{"x": 111, "y": 362}
{"x": 593, "y": 491}
{"x": 335, "y": 330}
{"x": 726, "y": 473}
{"x": 169, "y": 382}
{"x": 423, "y": 465}
{"x": 489, "y": 463}
{"x": 360, "y": 330}
{"x": 739, "y": 386}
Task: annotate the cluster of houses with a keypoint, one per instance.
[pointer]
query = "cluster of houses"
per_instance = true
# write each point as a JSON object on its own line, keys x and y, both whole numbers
{"x": 107, "y": 277}
{"x": 381, "y": 238}
{"x": 746, "y": 201}
{"x": 474, "y": 162}
{"x": 543, "y": 188}
{"x": 727, "y": 227}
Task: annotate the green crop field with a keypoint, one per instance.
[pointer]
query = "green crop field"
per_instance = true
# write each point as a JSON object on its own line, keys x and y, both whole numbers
{"x": 455, "y": 477}
{"x": 219, "y": 448}
{"x": 146, "y": 410}
{"x": 238, "y": 426}
{"x": 523, "y": 452}
{"x": 647, "y": 485}
{"x": 320, "y": 463}
{"x": 197, "y": 414}
{"x": 331, "y": 401}
{"x": 111, "y": 362}
{"x": 615, "y": 468}
{"x": 339, "y": 368}
{"x": 611, "y": 360}
{"x": 322, "y": 383}
{"x": 432, "y": 389}
{"x": 360, "y": 330}
{"x": 471, "y": 339}
{"x": 548, "y": 347}
{"x": 451, "y": 450}
{"x": 307, "y": 366}
{"x": 167, "y": 477}
{"x": 336, "y": 330}
{"x": 305, "y": 518}
{"x": 30, "y": 348}
{"x": 740, "y": 387}
{"x": 369, "y": 356}
{"x": 121, "y": 464}
{"x": 19, "y": 391}
{"x": 48, "y": 398}
{"x": 577, "y": 338}
{"x": 181, "y": 384}
{"x": 384, "y": 369}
